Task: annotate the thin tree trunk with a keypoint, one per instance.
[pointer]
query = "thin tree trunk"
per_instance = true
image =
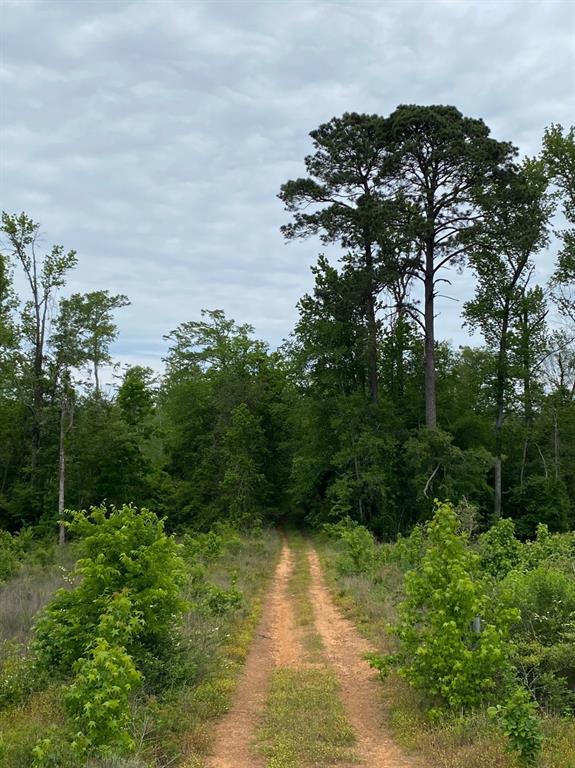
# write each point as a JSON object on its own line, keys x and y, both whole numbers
{"x": 497, "y": 487}
{"x": 66, "y": 421}
{"x": 500, "y": 413}
{"x": 430, "y": 399}
{"x": 556, "y": 442}
{"x": 62, "y": 475}
{"x": 371, "y": 327}
{"x": 96, "y": 378}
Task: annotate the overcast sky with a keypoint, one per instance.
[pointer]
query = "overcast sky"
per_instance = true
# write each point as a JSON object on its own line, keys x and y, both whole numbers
{"x": 153, "y": 136}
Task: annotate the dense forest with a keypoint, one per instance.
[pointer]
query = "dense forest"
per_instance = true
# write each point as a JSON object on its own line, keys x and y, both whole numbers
{"x": 363, "y": 412}
{"x": 416, "y": 499}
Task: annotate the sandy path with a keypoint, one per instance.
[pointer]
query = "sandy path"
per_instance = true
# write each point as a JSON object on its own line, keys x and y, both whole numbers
{"x": 276, "y": 643}
{"x": 361, "y": 689}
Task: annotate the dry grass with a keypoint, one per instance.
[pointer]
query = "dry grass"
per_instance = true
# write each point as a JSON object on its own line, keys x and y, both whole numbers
{"x": 29, "y": 590}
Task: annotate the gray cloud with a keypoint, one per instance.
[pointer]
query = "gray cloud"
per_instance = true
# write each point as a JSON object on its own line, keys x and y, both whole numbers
{"x": 153, "y": 136}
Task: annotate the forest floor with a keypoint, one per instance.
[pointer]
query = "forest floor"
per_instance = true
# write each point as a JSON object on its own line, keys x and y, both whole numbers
{"x": 307, "y": 696}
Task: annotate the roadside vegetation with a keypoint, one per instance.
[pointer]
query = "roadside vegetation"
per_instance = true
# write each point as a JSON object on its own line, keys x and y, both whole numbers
{"x": 476, "y": 636}
{"x": 138, "y": 652}
{"x": 123, "y": 626}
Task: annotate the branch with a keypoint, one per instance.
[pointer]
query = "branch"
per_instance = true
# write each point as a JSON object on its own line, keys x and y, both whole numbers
{"x": 429, "y": 480}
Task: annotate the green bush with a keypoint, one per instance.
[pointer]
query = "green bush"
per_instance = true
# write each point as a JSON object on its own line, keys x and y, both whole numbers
{"x": 499, "y": 550}
{"x": 20, "y": 676}
{"x": 207, "y": 547}
{"x": 98, "y": 700}
{"x": 406, "y": 552}
{"x": 542, "y": 500}
{"x": 440, "y": 653}
{"x": 126, "y": 551}
{"x": 544, "y": 635}
{"x": 359, "y": 550}
{"x": 518, "y": 720}
{"x": 558, "y": 548}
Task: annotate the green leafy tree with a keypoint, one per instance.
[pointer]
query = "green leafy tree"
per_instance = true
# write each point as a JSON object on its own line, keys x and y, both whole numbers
{"x": 512, "y": 230}
{"x": 439, "y": 158}
{"x": 90, "y": 315}
{"x": 341, "y": 200}
{"x": 44, "y": 277}
{"x": 243, "y": 483}
{"x": 559, "y": 157}
{"x": 135, "y": 395}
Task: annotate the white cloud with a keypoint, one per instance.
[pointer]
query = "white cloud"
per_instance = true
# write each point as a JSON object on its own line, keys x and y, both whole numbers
{"x": 153, "y": 136}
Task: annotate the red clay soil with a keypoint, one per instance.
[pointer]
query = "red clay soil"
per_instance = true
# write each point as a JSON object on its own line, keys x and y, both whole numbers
{"x": 361, "y": 690}
{"x": 278, "y": 644}
{"x": 275, "y": 644}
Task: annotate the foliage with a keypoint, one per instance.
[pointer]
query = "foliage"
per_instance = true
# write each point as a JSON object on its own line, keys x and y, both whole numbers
{"x": 519, "y": 722}
{"x": 544, "y": 636}
{"x": 358, "y": 547}
{"x": 125, "y": 549}
{"x": 98, "y": 699}
{"x": 543, "y": 500}
{"x": 499, "y": 550}
{"x": 9, "y": 562}
{"x": 441, "y": 654}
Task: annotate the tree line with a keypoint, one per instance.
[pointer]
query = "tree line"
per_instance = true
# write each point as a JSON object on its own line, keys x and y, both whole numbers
{"x": 363, "y": 411}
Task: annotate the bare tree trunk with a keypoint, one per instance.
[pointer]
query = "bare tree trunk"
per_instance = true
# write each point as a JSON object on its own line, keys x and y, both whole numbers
{"x": 497, "y": 487}
{"x": 430, "y": 400}
{"x": 372, "y": 373}
{"x": 96, "y": 378}
{"x": 66, "y": 421}
{"x": 62, "y": 476}
{"x": 556, "y": 442}
{"x": 500, "y": 413}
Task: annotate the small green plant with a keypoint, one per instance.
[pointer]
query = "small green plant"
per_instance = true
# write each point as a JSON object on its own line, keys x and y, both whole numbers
{"x": 9, "y": 562}
{"x": 518, "y": 720}
{"x": 98, "y": 700}
{"x": 20, "y": 676}
{"x": 406, "y": 552}
{"x": 447, "y": 650}
{"x": 359, "y": 553}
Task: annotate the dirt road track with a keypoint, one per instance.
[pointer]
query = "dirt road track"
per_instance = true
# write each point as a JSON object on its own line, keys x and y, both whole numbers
{"x": 361, "y": 690}
{"x": 278, "y": 644}
{"x": 273, "y": 644}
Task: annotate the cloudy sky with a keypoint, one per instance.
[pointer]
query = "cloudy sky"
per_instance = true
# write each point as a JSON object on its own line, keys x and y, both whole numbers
{"x": 153, "y": 136}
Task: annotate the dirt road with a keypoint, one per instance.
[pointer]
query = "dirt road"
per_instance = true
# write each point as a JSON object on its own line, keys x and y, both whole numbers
{"x": 278, "y": 643}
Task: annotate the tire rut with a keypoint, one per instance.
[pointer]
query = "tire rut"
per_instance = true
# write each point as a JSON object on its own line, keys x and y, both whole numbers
{"x": 276, "y": 643}
{"x": 361, "y": 690}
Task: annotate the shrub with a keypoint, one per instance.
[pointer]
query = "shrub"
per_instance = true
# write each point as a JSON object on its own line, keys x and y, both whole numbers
{"x": 544, "y": 635}
{"x": 440, "y": 652}
{"x": 407, "y": 551}
{"x": 20, "y": 676}
{"x": 518, "y": 720}
{"x": 542, "y": 500}
{"x": 207, "y": 547}
{"x": 126, "y": 551}
{"x": 98, "y": 700}
{"x": 9, "y": 562}
{"x": 547, "y": 547}
{"x": 359, "y": 553}
{"x": 499, "y": 550}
